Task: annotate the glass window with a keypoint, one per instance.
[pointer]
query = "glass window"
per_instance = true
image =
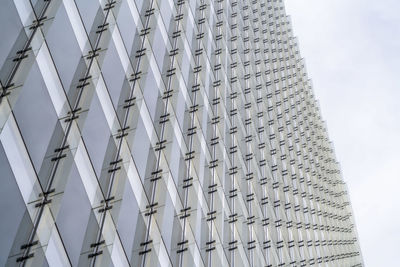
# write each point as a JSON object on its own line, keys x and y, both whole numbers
{"x": 141, "y": 147}
{"x": 126, "y": 25}
{"x": 151, "y": 94}
{"x": 73, "y": 216}
{"x": 185, "y": 67}
{"x": 88, "y": 11}
{"x": 63, "y": 47}
{"x": 128, "y": 219}
{"x": 166, "y": 12}
{"x": 159, "y": 48}
{"x": 25, "y": 228}
{"x": 96, "y": 134}
{"x": 12, "y": 204}
{"x": 36, "y": 116}
{"x": 113, "y": 72}
{"x": 10, "y": 29}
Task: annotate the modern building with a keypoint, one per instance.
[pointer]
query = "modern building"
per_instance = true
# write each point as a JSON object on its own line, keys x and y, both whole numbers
{"x": 163, "y": 133}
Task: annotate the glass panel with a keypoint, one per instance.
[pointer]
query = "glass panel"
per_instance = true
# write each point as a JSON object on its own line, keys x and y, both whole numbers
{"x": 10, "y": 29}
{"x": 73, "y": 216}
{"x": 35, "y": 116}
{"x": 114, "y": 74}
{"x": 128, "y": 219}
{"x": 63, "y": 47}
{"x": 126, "y": 25}
{"x": 142, "y": 146}
{"x": 88, "y": 11}
{"x": 96, "y": 134}
{"x": 12, "y": 204}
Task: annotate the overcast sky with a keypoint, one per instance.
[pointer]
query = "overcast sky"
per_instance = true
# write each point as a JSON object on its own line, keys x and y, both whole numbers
{"x": 352, "y": 51}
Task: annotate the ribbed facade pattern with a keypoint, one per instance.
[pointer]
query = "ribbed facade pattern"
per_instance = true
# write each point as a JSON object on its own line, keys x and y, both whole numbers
{"x": 163, "y": 133}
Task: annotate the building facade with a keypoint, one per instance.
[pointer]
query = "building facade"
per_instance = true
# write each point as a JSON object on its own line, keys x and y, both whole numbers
{"x": 163, "y": 133}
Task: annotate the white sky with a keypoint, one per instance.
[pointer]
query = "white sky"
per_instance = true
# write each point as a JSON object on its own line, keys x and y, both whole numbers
{"x": 352, "y": 51}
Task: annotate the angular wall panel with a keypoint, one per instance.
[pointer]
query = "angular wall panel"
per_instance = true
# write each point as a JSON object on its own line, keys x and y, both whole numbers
{"x": 164, "y": 133}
